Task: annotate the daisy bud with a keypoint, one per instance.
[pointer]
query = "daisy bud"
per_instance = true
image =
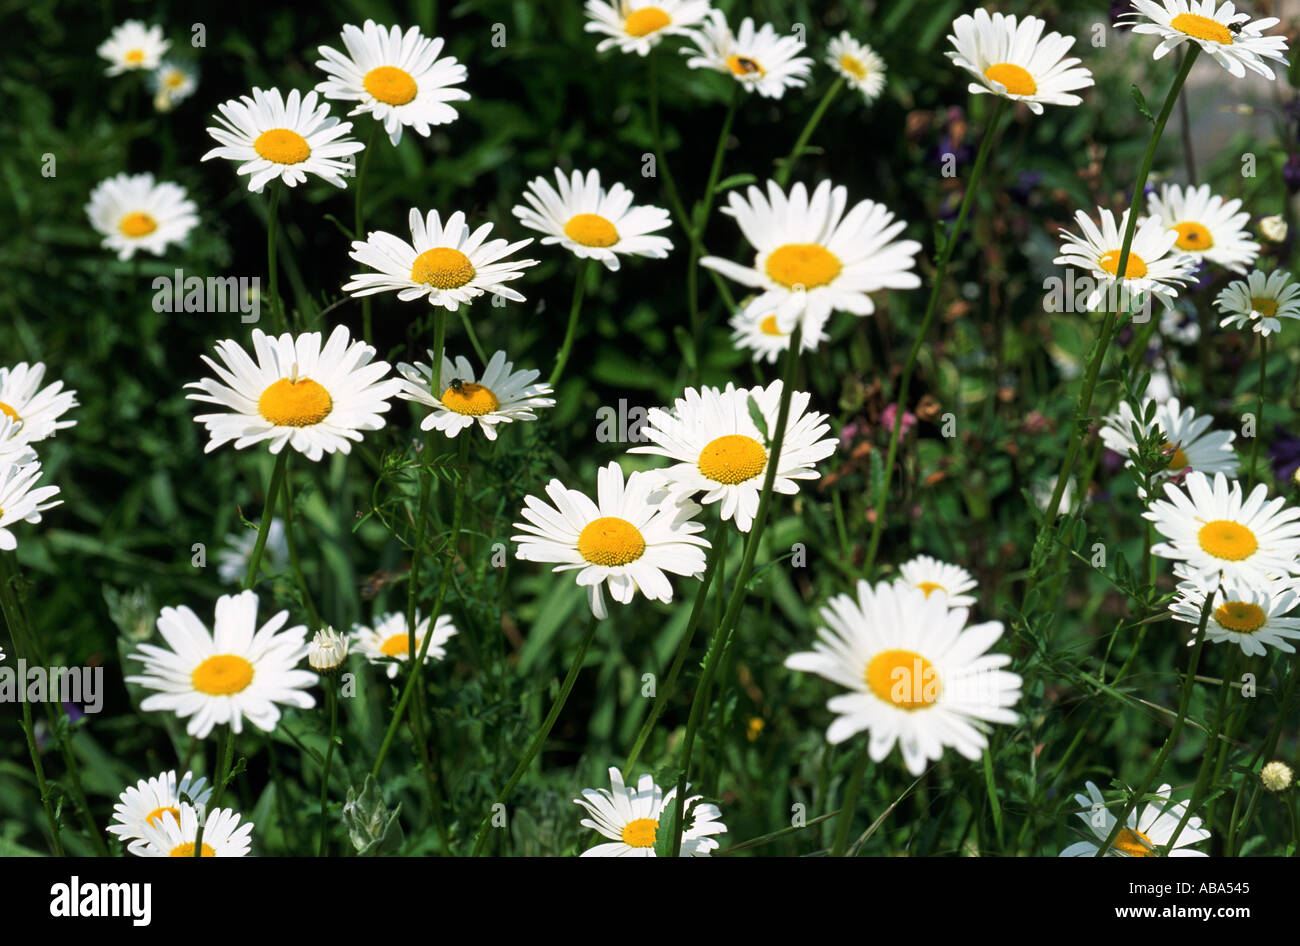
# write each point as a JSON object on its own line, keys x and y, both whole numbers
{"x": 1273, "y": 228}
{"x": 1276, "y": 776}
{"x": 327, "y": 650}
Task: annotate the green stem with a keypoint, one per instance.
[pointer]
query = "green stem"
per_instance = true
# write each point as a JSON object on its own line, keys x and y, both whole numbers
{"x": 272, "y": 241}
{"x": 286, "y": 492}
{"x": 473, "y": 336}
{"x": 331, "y": 698}
{"x": 223, "y": 776}
{"x": 1211, "y": 750}
{"x": 268, "y": 511}
{"x": 848, "y": 808}
{"x": 787, "y": 166}
{"x": 575, "y": 309}
{"x": 1259, "y": 413}
{"x": 358, "y": 232}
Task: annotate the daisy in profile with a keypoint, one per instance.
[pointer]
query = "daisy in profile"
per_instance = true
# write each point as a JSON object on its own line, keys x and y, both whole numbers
{"x": 638, "y": 26}
{"x": 21, "y": 500}
{"x": 1190, "y": 442}
{"x": 593, "y": 223}
{"x": 1215, "y": 531}
{"x": 398, "y": 78}
{"x": 1260, "y": 301}
{"x": 450, "y": 265}
{"x": 327, "y": 650}
{"x": 223, "y": 835}
{"x": 721, "y": 452}
{"x": 388, "y": 641}
{"x": 297, "y": 394}
{"x": 272, "y": 137}
{"x": 1153, "y": 265}
{"x": 132, "y": 212}
{"x": 500, "y": 396}
{"x": 1230, "y": 37}
{"x": 149, "y": 801}
{"x": 1208, "y": 227}
{"x": 1254, "y": 617}
{"x": 760, "y": 59}
{"x": 918, "y": 675}
{"x": 234, "y": 672}
{"x": 133, "y": 46}
{"x": 858, "y": 63}
{"x": 628, "y": 538}
{"x": 811, "y": 258}
{"x": 759, "y": 332}
{"x": 931, "y": 576}
{"x": 1144, "y": 835}
{"x": 173, "y": 83}
{"x": 630, "y": 817}
{"x": 1012, "y": 58}
{"x": 232, "y": 558}
{"x": 40, "y": 410}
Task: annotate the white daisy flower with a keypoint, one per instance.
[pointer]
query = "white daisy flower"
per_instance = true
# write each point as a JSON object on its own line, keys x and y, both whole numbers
{"x": 14, "y": 448}
{"x": 150, "y": 801}
{"x": 38, "y": 409}
{"x": 630, "y": 818}
{"x": 931, "y": 575}
{"x": 1179, "y": 327}
{"x": 1152, "y": 266}
{"x": 388, "y": 641}
{"x": 759, "y": 332}
{"x": 221, "y": 677}
{"x": 1217, "y": 532}
{"x": 637, "y": 26}
{"x": 1012, "y": 58}
{"x": 1273, "y": 227}
{"x": 1208, "y": 227}
{"x": 173, "y": 83}
{"x": 451, "y": 264}
{"x": 592, "y": 223}
{"x": 132, "y": 212}
{"x": 1254, "y": 617}
{"x": 811, "y": 258}
{"x": 721, "y": 452}
{"x": 1236, "y": 43}
{"x": 327, "y": 650}
{"x": 918, "y": 675}
{"x": 19, "y": 502}
{"x": 1144, "y": 835}
{"x": 858, "y": 63}
{"x": 398, "y": 78}
{"x": 627, "y": 538}
{"x": 502, "y": 395}
{"x": 1260, "y": 301}
{"x": 271, "y": 137}
{"x": 760, "y": 59}
{"x": 223, "y": 835}
{"x": 1188, "y": 438}
{"x": 314, "y": 400}
{"x": 133, "y": 46}
{"x": 233, "y": 558}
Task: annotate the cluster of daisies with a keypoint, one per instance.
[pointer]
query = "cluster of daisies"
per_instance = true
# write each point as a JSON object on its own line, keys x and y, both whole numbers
{"x": 134, "y": 47}
{"x": 29, "y": 414}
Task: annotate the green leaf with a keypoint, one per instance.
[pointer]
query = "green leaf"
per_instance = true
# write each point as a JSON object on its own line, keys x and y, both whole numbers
{"x": 372, "y": 828}
{"x": 735, "y": 180}
{"x": 759, "y": 420}
{"x": 1140, "y": 100}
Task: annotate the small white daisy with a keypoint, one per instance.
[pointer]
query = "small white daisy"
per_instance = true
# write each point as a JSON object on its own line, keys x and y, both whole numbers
{"x": 1012, "y": 58}
{"x": 627, "y": 538}
{"x": 931, "y": 575}
{"x": 1144, "y": 835}
{"x": 297, "y": 394}
{"x": 1254, "y": 617}
{"x": 760, "y": 59}
{"x": 592, "y": 223}
{"x": 451, "y": 264}
{"x": 1152, "y": 266}
{"x": 223, "y": 835}
{"x": 327, "y": 650}
{"x": 233, "y": 557}
{"x": 388, "y": 641}
{"x": 236, "y": 671}
{"x": 919, "y": 675}
{"x": 133, "y": 46}
{"x": 1208, "y": 227}
{"x": 398, "y": 78}
{"x": 637, "y": 26}
{"x": 173, "y": 83}
{"x": 19, "y": 502}
{"x": 759, "y": 332}
{"x": 38, "y": 409}
{"x": 1260, "y": 301}
{"x": 500, "y": 396}
{"x": 721, "y": 452}
{"x": 1188, "y": 438}
{"x": 1273, "y": 228}
{"x": 132, "y": 212}
{"x": 1236, "y": 43}
{"x": 273, "y": 137}
{"x": 630, "y": 818}
{"x": 812, "y": 258}
{"x": 858, "y": 63}
{"x": 150, "y": 801}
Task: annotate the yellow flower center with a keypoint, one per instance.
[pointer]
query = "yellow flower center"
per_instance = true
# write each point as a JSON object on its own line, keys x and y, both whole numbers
{"x": 929, "y": 587}
{"x": 1016, "y": 79}
{"x": 610, "y": 541}
{"x": 222, "y": 675}
{"x": 390, "y": 85}
{"x": 137, "y": 224}
{"x": 155, "y": 817}
{"x": 9, "y": 411}
{"x": 803, "y": 265}
{"x": 1228, "y": 540}
{"x": 443, "y": 268}
{"x": 1130, "y": 842}
{"x": 1241, "y": 616}
{"x": 1202, "y": 27}
{"x": 1193, "y": 236}
{"x": 903, "y": 678}
{"x": 754, "y": 728}
{"x": 399, "y": 645}
{"x": 299, "y": 403}
{"x": 732, "y": 459}
{"x": 187, "y": 850}
{"x": 645, "y": 21}
{"x": 282, "y": 146}
{"x": 1179, "y": 459}
{"x": 1135, "y": 268}
{"x": 174, "y": 79}
{"x": 744, "y": 66}
{"x": 769, "y": 327}
{"x": 853, "y": 66}
{"x": 591, "y": 230}
{"x": 1264, "y": 306}
{"x": 471, "y": 399}
{"x": 640, "y": 833}
{"x": 134, "y": 56}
